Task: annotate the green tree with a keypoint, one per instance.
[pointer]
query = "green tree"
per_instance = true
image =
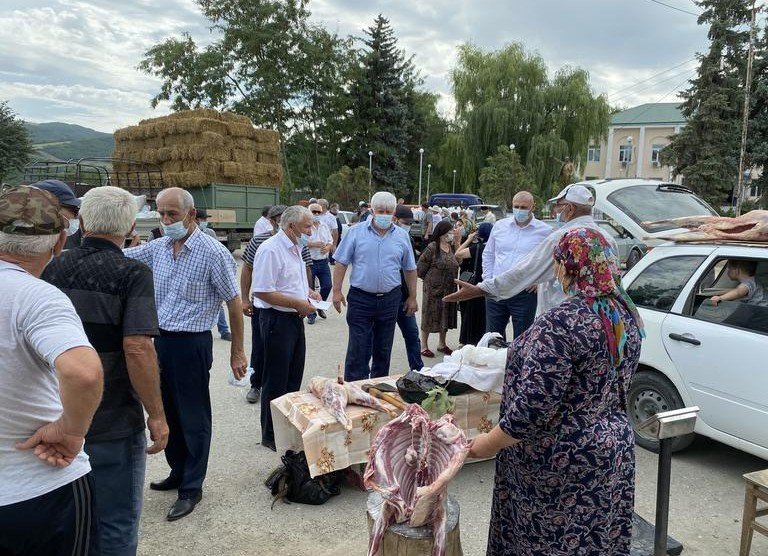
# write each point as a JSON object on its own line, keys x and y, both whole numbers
{"x": 706, "y": 151}
{"x": 757, "y": 147}
{"x": 506, "y": 97}
{"x": 15, "y": 146}
{"x": 503, "y": 176}
{"x": 347, "y": 186}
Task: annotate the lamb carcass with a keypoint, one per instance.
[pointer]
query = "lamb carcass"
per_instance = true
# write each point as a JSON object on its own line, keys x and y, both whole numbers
{"x": 410, "y": 463}
{"x": 336, "y": 394}
{"x": 752, "y": 226}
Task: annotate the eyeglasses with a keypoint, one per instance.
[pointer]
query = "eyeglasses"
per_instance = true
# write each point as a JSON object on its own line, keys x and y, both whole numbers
{"x": 317, "y": 212}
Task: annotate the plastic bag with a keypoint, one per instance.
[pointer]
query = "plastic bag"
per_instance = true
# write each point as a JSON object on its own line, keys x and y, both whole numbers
{"x": 292, "y": 482}
{"x": 245, "y": 381}
{"x": 413, "y": 387}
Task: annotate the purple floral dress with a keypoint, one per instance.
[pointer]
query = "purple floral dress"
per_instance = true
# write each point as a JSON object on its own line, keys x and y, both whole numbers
{"x": 568, "y": 487}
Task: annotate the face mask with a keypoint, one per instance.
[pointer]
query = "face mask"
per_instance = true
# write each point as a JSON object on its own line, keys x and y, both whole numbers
{"x": 383, "y": 221}
{"x": 406, "y": 227}
{"x": 558, "y": 223}
{"x": 202, "y": 225}
{"x": 316, "y": 219}
{"x": 74, "y": 225}
{"x": 175, "y": 231}
{"x": 521, "y": 215}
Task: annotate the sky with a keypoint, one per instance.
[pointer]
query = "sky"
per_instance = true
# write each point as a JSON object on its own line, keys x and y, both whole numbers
{"x": 75, "y": 61}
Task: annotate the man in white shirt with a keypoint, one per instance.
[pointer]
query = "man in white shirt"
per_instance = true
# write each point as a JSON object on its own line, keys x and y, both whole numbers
{"x": 281, "y": 292}
{"x": 263, "y": 224}
{"x": 329, "y": 219}
{"x": 320, "y": 245}
{"x": 486, "y": 215}
{"x": 572, "y": 209}
{"x": 511, "y": 240}
{"x": 51, "y": 383}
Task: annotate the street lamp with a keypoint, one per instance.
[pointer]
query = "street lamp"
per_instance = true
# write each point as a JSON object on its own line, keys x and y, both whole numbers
{"x": 370, "y": 167}
{"x": 454, "y": 181}
{"x": 429, "y": 171}
{"x": 631, "y": 152}
{"x": 511, "y": 146}
{"x": 421, "y": 159}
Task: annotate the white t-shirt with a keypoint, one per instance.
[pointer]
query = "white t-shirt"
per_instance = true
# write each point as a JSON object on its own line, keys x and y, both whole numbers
{"x": 37, "y": 324}
{"x": 755, "y": 292}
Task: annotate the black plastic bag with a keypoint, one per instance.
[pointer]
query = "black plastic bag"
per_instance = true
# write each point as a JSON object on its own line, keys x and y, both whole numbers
{"x": 292, "y": 482}
{"x": 413, "y": 387}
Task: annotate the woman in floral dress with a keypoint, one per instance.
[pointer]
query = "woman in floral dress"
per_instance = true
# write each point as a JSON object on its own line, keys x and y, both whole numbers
{"x": 565, "y": 465}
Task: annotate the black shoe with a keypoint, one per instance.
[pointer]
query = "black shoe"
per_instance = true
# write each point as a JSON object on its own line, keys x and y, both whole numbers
{"x": 227, "y": 337}
{"x": 322, "y": 314}
{"x": 269, "y": 444}
{"x": 184, "y": 506}
{"x": 253, "y": 395}
{"x": 166, "y": 484}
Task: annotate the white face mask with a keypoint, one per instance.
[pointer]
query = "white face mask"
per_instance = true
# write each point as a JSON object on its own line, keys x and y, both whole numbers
{"x": 175, "y": 231}
{"x": 74, "y": 225}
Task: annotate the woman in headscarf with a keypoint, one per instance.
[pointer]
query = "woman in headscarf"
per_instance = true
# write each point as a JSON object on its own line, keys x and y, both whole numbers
{"x": 564, "y": 447}
{"x": 473, "y": 311}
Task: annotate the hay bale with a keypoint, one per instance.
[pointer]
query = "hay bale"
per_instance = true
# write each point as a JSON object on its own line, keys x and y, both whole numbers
{"x": 268, "y": 148}
{"x": 185, "y": 179}
{"x": 231, "y": 169}
{"x": 242, "y": 130}
{"x": 267, "y": 158}
{"x": 244, "y": 156}
{"x": 199, "y": 125}
{"x": 237, "y": 118}
{"x": 195, "y": 113}
{"x": 266, "y": 136}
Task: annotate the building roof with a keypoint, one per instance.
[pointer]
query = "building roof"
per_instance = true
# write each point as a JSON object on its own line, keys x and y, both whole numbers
{"x": 658, "y": 113}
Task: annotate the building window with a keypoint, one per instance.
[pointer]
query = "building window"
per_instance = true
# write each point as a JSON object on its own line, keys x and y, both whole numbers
{"x": 656, "y": 154}
{"x": 754, "y": 191}
{"x": 593, "y": 153}
{"x": 625, "y": 154}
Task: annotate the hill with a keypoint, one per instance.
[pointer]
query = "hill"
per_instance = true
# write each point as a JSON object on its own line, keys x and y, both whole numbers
{"x": 65, "y": 141}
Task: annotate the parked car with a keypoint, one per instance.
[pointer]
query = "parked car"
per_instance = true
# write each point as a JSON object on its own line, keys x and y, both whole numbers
{"x": 346, "y": 220}
{"x": 631, "y": 250}
{"x": 699, "y": 354}
{"x": 499, "y": 211}
{"x": 454, "y": 200}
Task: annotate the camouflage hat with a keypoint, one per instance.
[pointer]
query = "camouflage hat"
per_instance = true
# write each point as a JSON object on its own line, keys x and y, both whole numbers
{"x": 30, "y": 211}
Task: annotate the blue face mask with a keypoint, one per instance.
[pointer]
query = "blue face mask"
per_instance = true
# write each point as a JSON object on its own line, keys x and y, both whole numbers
{"x": 175, "y": 231}
{"x": 303, "y": 239}
{"x": 202, "y": 225}
{"x": 558, "y": 223}
{"x": 383, "y": 221}
{"x": 521, "y": 215}
{"x": 74, "y": 225}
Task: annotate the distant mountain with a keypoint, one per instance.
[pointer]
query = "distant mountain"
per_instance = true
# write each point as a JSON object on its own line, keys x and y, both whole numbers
{"x": 65, "y": 141}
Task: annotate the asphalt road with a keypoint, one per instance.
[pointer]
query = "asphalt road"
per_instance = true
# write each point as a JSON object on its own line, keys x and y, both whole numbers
{"x": 234, "y": 517}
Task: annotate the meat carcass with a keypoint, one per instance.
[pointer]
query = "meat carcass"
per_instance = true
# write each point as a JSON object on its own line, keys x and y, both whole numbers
{"x": 410, "y": 463}
{"x": 336, "y": 394}
{"x": 752, "y": 226}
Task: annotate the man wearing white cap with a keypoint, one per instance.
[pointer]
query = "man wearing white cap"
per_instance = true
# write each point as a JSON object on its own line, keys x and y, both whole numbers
{"x": 572, "y": 209}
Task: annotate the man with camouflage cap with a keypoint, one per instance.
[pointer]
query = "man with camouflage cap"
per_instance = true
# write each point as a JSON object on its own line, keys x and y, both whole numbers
{"x": 50, "y": 386}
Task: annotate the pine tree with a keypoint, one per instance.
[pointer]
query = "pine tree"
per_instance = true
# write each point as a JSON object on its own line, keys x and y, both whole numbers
{"x": 757, "y": 143}
{"x": 706, "y": 151}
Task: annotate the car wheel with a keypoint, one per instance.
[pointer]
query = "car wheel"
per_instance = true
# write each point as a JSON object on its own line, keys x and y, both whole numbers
{"x": 649, "y": 394}
{"x": 633, "y": 258}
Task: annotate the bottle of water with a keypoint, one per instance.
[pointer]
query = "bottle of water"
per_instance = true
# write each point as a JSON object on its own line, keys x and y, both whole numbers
{"x": 245, "y": 381}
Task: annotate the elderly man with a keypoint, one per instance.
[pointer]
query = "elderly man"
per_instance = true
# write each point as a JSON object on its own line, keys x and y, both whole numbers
{"x": 572, "y": 209}
{"x": 246, "y": 277}
{"x": 263, "y": 225}
{"x": 377, "y": 250}
{"x": 512, "y": 239}
{"x": 114, "y": 296}
{"x": 193, "y": 275}
{"x": 320, "y": 246}
{"x": 282, "y": 294}
{"x": 70, "y": 205}
{"x": 50, "y": 386}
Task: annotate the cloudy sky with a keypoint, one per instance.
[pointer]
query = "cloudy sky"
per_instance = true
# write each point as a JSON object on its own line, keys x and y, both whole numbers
{"x": 75, "y": 60}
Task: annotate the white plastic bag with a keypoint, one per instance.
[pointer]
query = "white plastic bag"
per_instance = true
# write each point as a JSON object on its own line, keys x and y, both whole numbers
{"x": 245, "y": 381}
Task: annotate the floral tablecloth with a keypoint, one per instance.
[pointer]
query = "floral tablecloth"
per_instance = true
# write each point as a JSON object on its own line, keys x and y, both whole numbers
{"x": 302, "y": 423}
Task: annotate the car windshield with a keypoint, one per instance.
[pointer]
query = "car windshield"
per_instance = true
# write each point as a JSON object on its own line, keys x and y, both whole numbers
{"x": 648, "y": 203}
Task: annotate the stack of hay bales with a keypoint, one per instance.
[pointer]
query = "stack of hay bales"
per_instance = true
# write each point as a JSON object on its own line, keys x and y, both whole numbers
{"x": 197, "y": 147}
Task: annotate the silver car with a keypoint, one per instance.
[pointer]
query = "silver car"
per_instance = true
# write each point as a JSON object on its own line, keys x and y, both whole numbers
{"x": 631, "y": 250}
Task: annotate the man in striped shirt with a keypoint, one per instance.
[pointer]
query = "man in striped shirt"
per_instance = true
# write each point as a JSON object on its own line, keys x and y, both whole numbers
{"x": 246, "y": 276}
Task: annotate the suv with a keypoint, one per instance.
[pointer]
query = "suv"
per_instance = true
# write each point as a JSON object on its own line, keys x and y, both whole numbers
{"x": 696, "y": 353}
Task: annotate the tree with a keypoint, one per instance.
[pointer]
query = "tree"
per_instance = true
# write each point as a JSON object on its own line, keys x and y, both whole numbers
{"x": 347, "y": 186}
{"x": 15, "y": 146}
{"x": 503, "y": 176}
{"x": 706, "y": 151}
{"x": 506, "y": 97}
{"x": 757, "y": 147}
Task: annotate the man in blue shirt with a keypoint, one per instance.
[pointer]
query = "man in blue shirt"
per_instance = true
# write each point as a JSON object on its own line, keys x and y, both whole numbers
{"x": 377, "y": 250}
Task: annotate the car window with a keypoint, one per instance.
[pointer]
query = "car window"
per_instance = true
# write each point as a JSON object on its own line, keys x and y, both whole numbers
{"x": 659, "y": 284}
{"x": 610, "y": 229}
{"x": 739, "y": 313}
{"x": 647, "y": 203}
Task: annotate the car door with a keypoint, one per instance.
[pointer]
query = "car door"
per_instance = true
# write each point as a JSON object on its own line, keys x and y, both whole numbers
{"x": 722, "y": 353}
{"x": 621, "y": 242}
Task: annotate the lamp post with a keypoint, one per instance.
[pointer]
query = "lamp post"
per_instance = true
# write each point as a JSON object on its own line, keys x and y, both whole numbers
{"x": 370, "y": 167}
{"x": 511, "y": 146}
{"x": 429, "y": 171}
{"x": 454, "y": 182}
{"x": 628, "y": 162}
{"x": 421, "y": 159}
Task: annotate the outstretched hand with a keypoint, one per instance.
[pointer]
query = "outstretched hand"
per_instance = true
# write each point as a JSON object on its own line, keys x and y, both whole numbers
{"x": 466, "y": 291}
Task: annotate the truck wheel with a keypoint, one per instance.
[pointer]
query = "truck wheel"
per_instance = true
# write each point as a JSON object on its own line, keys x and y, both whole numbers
{"x": 633, "y": 258}
{"x": 651, "y": 393}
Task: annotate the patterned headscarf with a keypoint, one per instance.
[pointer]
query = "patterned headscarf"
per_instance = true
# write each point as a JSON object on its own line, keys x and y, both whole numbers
{"x": 589, "y": 258}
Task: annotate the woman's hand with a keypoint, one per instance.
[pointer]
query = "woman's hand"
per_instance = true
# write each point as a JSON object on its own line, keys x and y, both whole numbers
{"x": 481, "y": 447}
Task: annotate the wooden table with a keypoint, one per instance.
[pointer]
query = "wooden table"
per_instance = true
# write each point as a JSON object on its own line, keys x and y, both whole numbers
{"x": 302, "y": 423}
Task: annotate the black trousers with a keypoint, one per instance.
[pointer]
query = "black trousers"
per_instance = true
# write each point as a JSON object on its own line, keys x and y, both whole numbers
{"x": 282, "y": 336}
{"x": 59, "y": 523}
{"x": 257, "y": 350}
{"x": 185, "y": 363}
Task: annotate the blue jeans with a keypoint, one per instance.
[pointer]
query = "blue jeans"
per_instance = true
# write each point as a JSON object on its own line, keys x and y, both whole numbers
{"x": 521, "y": 308}
{"x": 118, "y": 476}
{"x": 322, "y": 271}
{"x": 371, "y": 319}
{"x": 221, "y": 324}
{"x": 410, "y": 331}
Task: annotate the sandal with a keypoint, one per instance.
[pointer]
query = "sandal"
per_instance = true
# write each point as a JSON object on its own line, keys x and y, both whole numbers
{"x": 426, "y": 352}
{"x": 445, "y": 349}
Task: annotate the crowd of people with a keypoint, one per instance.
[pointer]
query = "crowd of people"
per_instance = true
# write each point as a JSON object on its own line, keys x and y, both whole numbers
{"x": 106, "y": 338}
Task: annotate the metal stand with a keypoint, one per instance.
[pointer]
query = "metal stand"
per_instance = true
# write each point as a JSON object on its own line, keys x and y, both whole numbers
{"x": 662, "y": 498}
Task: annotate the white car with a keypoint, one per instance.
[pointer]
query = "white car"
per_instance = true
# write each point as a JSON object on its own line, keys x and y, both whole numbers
{"x": 696, "y": 353}
{"x": 346, "y": 220}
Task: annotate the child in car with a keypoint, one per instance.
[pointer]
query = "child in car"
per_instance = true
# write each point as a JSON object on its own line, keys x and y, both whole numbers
{"x": 748, "y": 290}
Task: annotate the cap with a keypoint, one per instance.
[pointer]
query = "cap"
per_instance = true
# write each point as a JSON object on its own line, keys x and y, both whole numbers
{"x": 276, "y": 211}
{"x": 403, "y": 212}
{"x": 29, "y": 211}
{"x": 61, "y": 190}
{"x": 201, "y": 213}
{"x": 575, "y": 194}
{"x": 435, "y": 208}
{"x": 362, "y": 204}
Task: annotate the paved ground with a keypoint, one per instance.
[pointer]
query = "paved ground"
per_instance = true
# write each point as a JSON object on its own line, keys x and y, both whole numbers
{"x": 234, "y": 517}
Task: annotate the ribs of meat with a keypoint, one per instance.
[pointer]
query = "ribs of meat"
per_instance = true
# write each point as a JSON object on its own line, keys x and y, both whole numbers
{"x": 752, "y": 226}
{"x": 335, "y": 394}
{"x": 410, "y": 463}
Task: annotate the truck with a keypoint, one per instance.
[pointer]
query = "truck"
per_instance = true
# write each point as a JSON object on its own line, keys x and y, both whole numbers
{"x": 233, "y": 208}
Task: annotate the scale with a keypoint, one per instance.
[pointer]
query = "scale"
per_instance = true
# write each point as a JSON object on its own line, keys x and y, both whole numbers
{"x": 648, "y": 540}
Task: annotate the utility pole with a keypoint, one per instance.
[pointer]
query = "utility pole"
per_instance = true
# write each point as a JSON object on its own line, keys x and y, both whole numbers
{"x": 745, "y": 120}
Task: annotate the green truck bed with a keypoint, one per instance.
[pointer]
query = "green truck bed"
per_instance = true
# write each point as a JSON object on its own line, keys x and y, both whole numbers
{"x": 246, "y": 200}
